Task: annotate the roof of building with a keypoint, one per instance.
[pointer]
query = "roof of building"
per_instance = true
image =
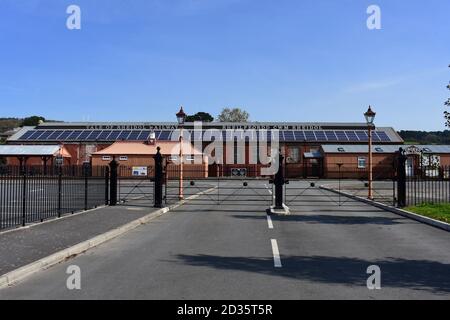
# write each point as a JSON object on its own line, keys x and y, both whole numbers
{"x": 33, "y": 150}
{"x": 290, "y": 132}
{"x": 139, "y": 148}
{"x": 362, "y": 148}
{"x": 131, "y": 125}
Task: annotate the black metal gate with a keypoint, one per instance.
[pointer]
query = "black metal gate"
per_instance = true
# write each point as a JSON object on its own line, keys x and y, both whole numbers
{"x": 136, "y": 184}
{"x": 329, "y": 188}
{"x": 240, "y": 187}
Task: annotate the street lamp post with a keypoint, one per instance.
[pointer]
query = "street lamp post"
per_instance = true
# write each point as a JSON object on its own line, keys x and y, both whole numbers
{"x": 181, "y": 116}
{"x": 370, "y": 117}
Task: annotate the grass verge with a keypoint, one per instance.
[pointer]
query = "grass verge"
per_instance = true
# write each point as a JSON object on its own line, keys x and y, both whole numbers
{"x": 439, "y": 212}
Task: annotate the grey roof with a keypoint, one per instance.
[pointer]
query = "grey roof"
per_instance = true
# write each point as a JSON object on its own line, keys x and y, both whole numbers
{"x": 362, "y": 148}
{"x": 19, "y": 133}
{"x": 28, "y": 150}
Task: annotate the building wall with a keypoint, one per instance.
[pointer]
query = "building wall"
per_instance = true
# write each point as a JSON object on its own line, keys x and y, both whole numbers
{"x": 382, "y": 165}
{"x": 133, "y": 161}
{"x": 34, "y": 161}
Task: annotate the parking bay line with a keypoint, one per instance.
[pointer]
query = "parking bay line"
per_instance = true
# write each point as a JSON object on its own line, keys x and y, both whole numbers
{"x": 276, "y": 254}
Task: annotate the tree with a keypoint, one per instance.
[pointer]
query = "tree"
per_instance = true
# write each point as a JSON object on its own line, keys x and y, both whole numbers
{"x": 233, "y": 115}
{"x": 447, "y": 104}
{"x": 200, "y": 116}
{"x": 33, "y": 121}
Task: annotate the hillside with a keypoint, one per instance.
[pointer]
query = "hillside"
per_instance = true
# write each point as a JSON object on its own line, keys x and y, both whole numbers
{"x": 425, "y": 137}
{"x": 9, "y": 123}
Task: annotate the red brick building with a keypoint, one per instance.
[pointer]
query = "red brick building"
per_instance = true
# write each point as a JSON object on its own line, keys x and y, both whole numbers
{"x": 310, "y": 149}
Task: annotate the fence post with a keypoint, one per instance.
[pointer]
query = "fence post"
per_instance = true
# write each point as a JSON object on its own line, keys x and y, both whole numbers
{"x": 401, "y": 179}
{"x": 113, "y": 182}
{"x": 106, "y": 186}
{"x": 159, "y": 176}
{"x": 24, "y": 195}
{"x": 279, "y": 182}
{"x": 86, "y": 186}
{"x": 59, "y": 190}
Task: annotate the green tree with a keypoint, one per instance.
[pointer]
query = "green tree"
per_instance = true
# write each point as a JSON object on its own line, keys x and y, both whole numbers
{"x": 200, "y": 116}
{"x": 233, "y": 115}
{"x": 447, "y": 104}
{"x": 32, "y": 121}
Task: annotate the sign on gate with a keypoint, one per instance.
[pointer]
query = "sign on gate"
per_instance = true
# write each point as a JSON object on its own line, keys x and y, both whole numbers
{"x": 139, "y": 171}
{"x": 239, "y": 172}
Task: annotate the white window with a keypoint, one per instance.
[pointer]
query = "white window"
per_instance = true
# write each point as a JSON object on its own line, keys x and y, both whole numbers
{"x": 123, "y": 158}
{"x": 106, "y": 158}
{"x": 173, "y": 158}
{"x": 189, "y": 158}
{"x": 362, "y": 162}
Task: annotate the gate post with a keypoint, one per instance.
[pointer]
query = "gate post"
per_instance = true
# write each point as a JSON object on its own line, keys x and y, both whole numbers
{"x": 279, "y": 182}
{"x": 106, "y": 186}
{"x": 159, "y": 176}
{"x": 86, "y": 184}
{"x": 401, "y": 179}
{"x": 113, "y": 182}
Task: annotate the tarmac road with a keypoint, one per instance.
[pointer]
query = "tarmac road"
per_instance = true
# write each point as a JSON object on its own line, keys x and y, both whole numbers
{"x": 229, "y": 251}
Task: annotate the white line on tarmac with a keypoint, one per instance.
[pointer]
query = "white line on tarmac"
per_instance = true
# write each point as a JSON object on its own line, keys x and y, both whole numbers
{"x": 276, "y": 254}
{"x": 267, "y": 187}
{"x": 269, "y": 222}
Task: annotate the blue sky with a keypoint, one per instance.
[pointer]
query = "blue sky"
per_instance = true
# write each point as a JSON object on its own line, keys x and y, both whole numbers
{"x": 299, "y": 60}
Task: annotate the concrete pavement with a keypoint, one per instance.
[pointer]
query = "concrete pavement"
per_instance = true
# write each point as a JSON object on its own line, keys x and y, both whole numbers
{"x": 225, "y": 251}
{"x": 19, "y": 247}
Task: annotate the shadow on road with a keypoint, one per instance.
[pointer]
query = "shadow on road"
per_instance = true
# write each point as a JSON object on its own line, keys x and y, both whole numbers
{"x": 424, "y": 275}
{"x": 330, "y": 219}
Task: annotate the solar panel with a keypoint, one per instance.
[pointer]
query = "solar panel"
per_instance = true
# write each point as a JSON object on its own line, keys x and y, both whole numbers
{"x": 65, "y": 134}
{"x": 74, "y": 135}
{"x": 310, "y": 136}
{"x": 383, "y": 136}
{"x": 35, "y": 134}
{"x": 46, "y": 134}
{"x": 84, "y": 134}
{"x": 26, "y": 135}
{"x": 55, "y": 135}
{"x": 103, "y": 135}
{"x": 331, "y": 136}
{"x": 165, "y": 135}
{"x": 351, "y": 136}
{"x": 341, "y": 136}
{"x": 144, "y": 135}
{"x": 124, "y": 135}
{"x": 375, "y": 137}
{"x": 320, "y": 135}
{"x": 134, "y": 135}
{"x": 289, "y": 136}
{"x": 95, "y": 135}
{"x": 362, "y": 135}
{"x": 112, "y": 135}
{"x": 299, "y": 135}
{"x": 196, "y": 135}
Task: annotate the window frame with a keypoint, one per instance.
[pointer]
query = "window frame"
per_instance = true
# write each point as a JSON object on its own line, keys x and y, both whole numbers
{"x": 359, "y": 159}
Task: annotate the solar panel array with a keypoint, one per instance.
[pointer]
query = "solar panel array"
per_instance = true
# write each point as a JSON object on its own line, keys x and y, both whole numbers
{"x": 143, "y": 135}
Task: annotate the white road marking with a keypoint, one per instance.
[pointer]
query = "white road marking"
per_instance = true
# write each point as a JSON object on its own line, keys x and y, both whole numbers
{"x": 276, "y": 254}
{"x": 269, "y": 222}
{"x": 267, "y": 187}
{"x": 134, "y": 209}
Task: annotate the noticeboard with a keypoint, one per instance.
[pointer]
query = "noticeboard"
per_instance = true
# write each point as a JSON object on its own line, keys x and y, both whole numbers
{"x": 139, "y": 171}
